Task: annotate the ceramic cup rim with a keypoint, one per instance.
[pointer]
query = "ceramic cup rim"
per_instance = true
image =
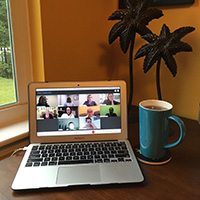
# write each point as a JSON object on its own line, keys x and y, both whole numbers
{"x": 155, "y": 102}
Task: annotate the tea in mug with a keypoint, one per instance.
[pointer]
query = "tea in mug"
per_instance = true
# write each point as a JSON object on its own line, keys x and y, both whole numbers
{"x": 155, "y": 107}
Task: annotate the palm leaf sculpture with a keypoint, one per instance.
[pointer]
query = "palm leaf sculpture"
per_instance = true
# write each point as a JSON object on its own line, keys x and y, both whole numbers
{"x": 133, "y": 19}
{"x": 163, "y": 46}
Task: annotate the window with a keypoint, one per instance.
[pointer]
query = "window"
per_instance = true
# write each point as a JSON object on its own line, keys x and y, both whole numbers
{"x": 19, "y": 26}
{"x": 7, "y": 65}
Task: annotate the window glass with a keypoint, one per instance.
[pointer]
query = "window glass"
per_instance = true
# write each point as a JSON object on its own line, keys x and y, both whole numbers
{"x": 8, "y": 92}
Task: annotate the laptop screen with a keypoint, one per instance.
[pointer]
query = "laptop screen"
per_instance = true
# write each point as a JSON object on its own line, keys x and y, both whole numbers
{"x": 78, "y": 111}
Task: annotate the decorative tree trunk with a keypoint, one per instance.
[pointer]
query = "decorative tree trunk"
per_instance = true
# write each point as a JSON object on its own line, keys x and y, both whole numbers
{"x": 131, "y": 71}
{"x": 158, "y": 79}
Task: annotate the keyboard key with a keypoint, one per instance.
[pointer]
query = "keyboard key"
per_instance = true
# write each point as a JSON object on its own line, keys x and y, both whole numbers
{"x": 69, "y": 158}
{"x": 34, "y": 152}
{"x": 54, "y": 159}
{"x": 35, "y": 147}
{"x": 83, "y": 157}
{"x": 122, "y": 155}
{"x": 35, "y": 160}
{"x": 36, "y": 164}
{"x": 47, "y": 159}
{"x": 76, "y": 158}
{"x": 104, "y": 156}
{"x": 34, "y": 156}
{"x": 41, "y": 147}
{"x": 121, "y": 159}
{"x": 61, "y": 158}
{"x": 97, "y": 156}
{"x": 90, "y": 157}
{"x": 44, "y": 163}
{"x": 68, "y": 162}
{"x": 52, "y": 163}
{"x": 99, "y": 160}
{"x": 29, "y": 164}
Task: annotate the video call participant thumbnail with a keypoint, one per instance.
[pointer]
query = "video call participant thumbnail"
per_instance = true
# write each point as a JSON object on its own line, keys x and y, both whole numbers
{"x": 110, "y": 100}
{"x": 89, "y": 101}
{"x": 68, "y": 113}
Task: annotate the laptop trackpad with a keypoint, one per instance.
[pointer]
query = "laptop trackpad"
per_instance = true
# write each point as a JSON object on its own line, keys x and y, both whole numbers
{"x": 78, "y": 174}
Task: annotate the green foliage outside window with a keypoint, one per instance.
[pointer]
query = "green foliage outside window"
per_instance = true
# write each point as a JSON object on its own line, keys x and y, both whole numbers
{"x": 5, "y": 53}
{"x": 7, "y": 83}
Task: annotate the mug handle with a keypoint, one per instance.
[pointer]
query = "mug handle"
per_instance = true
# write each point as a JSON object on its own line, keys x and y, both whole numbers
{"x": 182, "y": 131}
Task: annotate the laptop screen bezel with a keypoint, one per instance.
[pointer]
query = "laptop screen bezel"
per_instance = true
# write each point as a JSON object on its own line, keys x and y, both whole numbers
{"x": 75, "y": 138}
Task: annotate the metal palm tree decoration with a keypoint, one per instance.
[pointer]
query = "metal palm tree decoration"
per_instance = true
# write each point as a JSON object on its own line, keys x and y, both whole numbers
{"x": 163, "y": 46}
{"x": 133, "y": 19}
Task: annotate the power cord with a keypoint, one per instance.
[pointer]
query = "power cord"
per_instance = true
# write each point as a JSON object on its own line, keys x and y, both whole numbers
{"x": 20, "y": 149}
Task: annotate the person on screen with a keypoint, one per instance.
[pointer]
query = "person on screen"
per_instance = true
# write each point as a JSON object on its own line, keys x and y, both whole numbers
{"x": 110, "y": 100}
{"x": 43, "y": 101}
{"x": 89, "y": 124}
{"x": 90, "y": 112}
{"x": 69, "y": 102}
{"x": 111, "y": 112}
{"x": 47, "y": 115}
{"x": 89, "y": 101}
{"x": 55, "y": 115}
{"x": 70, "y": 126}
{"x": 68, "y": 113}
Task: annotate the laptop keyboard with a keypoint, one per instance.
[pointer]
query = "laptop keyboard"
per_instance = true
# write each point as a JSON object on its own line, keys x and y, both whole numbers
{"x": 78, "y": 153}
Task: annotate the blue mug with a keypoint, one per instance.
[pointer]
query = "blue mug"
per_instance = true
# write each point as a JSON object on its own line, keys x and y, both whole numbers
{"x": 154, "y": 125}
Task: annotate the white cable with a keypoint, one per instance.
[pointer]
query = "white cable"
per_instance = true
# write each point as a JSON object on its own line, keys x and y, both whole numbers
{"x": 20, "y": 149}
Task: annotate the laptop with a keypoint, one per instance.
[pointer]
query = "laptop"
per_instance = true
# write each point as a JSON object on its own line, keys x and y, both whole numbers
{"x": 78, "y": 136}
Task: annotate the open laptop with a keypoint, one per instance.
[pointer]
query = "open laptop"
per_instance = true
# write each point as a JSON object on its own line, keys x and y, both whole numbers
{"x": 78, "y": 136}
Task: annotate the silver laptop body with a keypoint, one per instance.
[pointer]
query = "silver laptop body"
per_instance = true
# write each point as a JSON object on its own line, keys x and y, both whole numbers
{"x": 79, "y": 118}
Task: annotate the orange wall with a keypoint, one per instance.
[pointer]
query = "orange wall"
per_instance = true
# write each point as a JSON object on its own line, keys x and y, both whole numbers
{"x": 75, "y": 36}
{"x": 75, "y": 47}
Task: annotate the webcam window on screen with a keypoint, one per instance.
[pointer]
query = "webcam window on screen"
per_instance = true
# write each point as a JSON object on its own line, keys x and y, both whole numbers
{"x": 78, "y": 111}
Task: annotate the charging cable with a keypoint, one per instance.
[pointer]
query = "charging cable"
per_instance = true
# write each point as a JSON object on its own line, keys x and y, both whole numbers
{"x": 20, "y": 149}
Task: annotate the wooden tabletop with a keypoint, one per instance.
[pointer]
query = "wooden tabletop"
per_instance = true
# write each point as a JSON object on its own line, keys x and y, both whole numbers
{"x": 179, "y": 179}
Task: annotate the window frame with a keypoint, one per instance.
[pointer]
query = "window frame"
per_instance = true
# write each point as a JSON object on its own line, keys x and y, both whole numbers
{"x": 19, "y": 22}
